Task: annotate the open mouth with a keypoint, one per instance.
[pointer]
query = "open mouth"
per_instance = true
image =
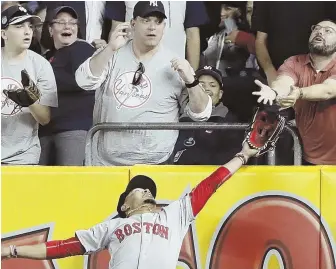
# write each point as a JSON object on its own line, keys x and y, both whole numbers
{"x": 151, "y": 35}
{"x": 318, "y": 39}
{"x": 27, "y": 39}
{"x": 66, "y": 34}
{"x": 150, "y": 201}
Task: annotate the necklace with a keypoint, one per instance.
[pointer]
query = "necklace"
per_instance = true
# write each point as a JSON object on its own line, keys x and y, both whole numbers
{"x": 142, "y": 206}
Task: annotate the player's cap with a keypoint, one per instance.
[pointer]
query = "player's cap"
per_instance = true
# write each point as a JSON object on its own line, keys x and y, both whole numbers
{"x": 60, "y": 9}
{"x": 136, "y": 182}
{"x": 146, "y": 8}
{"x": 210, "y": 71}
{"x": 15, "y": 15}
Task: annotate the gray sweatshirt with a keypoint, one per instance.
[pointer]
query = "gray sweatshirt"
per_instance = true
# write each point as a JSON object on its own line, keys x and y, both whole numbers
{"x": 20, "y": 144}
{"x": 158, "y": 98}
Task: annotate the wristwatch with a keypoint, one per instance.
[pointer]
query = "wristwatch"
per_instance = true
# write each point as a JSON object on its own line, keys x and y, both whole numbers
{"x": 301, "y": 93}
{"x": 193, "y": 84}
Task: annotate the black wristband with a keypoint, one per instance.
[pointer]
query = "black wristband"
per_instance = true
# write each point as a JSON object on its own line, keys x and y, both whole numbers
{"x": 276, "y": 93}
{"x": 195, "y": 83}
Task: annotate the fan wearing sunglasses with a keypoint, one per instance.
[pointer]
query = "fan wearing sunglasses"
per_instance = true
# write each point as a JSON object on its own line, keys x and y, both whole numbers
{"x": 137, "y": 79}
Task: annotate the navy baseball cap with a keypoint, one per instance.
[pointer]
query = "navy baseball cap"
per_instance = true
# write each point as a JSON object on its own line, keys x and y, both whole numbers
{"x": 140, "y": 181}
{"x": 146, "y": 8}
{"x": 15, "y": 15}
{"x": 60, "y": 9}
{"x": 210, "y": 71}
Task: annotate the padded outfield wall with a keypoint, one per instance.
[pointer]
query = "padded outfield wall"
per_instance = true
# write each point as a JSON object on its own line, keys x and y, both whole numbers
{"x": 262, "y": 218}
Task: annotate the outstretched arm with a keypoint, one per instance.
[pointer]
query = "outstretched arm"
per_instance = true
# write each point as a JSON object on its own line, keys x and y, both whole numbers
{"x": 201, "y": 194}
{"x": 50, "y": 250}
{"x": 318, "y": 92}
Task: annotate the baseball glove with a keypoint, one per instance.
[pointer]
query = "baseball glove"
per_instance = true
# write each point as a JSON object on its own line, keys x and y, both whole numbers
{"x": 26, "y": 96}
{"x": 264, "y": 131}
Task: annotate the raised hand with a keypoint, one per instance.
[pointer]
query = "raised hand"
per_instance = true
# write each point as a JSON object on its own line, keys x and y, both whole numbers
{"x": 266, "y": 93}
{"x": 120, "y": 36}
{"x": 184, "y": 69}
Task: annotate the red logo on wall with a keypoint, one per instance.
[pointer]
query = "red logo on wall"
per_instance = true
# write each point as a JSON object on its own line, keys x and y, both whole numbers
{"x": 272, "y": 223}
{"x": 29, "y": 237}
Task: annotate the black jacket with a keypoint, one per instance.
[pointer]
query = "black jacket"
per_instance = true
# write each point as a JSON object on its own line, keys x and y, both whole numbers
{"x": 209, "y": 147}
{"x": 75, "y": 105}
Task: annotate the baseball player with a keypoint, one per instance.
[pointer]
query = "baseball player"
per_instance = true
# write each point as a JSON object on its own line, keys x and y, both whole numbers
{"x": 145, "y": 236}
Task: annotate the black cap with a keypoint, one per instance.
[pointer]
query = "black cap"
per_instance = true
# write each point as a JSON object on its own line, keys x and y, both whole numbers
{"x": 15, "y": 15}
{"x": 210, "y": 71}
{"x": 66, "y": 9}
{"x": 145, "y": 8}
{"x": 140, "y": 181}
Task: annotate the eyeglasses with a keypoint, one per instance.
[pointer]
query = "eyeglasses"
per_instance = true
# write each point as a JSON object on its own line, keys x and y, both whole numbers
{"x": 138, "y": 74}
{"x": 64, "y": 23}
{"x": 327, "y": 30}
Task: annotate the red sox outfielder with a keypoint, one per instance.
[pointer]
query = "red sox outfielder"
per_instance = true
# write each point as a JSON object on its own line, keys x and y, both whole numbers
{"x": 146, "y": 236}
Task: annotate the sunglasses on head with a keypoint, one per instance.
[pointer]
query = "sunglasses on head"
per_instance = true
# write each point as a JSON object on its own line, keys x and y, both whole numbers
{"x": 138, "y": 74}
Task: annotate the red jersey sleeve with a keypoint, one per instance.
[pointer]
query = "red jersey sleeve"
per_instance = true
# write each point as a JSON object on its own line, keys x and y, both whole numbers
{"x": 201, "y": 194}
{"x": 64, "y": 248}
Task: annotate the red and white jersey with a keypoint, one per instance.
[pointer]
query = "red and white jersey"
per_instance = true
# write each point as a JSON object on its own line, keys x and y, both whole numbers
{"x": 142, "y": 241}
{"x": 151, "y": 240}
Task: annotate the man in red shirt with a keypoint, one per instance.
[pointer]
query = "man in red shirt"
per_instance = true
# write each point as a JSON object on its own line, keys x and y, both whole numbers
{"x": 308, "y": 83}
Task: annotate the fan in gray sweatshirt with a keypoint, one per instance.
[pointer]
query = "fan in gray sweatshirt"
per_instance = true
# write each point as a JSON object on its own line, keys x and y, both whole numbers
{"x": 158, "y": 98}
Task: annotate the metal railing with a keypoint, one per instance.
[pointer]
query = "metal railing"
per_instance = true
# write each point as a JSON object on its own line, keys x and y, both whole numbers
{"x": 185, "y": 126}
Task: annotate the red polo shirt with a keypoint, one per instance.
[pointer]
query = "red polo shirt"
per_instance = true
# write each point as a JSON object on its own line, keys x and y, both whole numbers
{"x": 316, "y": 121}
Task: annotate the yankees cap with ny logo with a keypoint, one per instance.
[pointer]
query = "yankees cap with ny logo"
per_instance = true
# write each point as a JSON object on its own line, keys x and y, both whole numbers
{"x": 15, "y": 15}
{"x": 146, "y": 8}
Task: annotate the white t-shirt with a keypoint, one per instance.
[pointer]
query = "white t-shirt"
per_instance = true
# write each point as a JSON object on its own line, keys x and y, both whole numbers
{"x": 19, "y": 129}
{"x": 143, "y": 241}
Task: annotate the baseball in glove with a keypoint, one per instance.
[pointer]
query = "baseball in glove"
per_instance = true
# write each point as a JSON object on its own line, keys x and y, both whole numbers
{"x": 26, "y": 96}
{"x": 264, "y": 130}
